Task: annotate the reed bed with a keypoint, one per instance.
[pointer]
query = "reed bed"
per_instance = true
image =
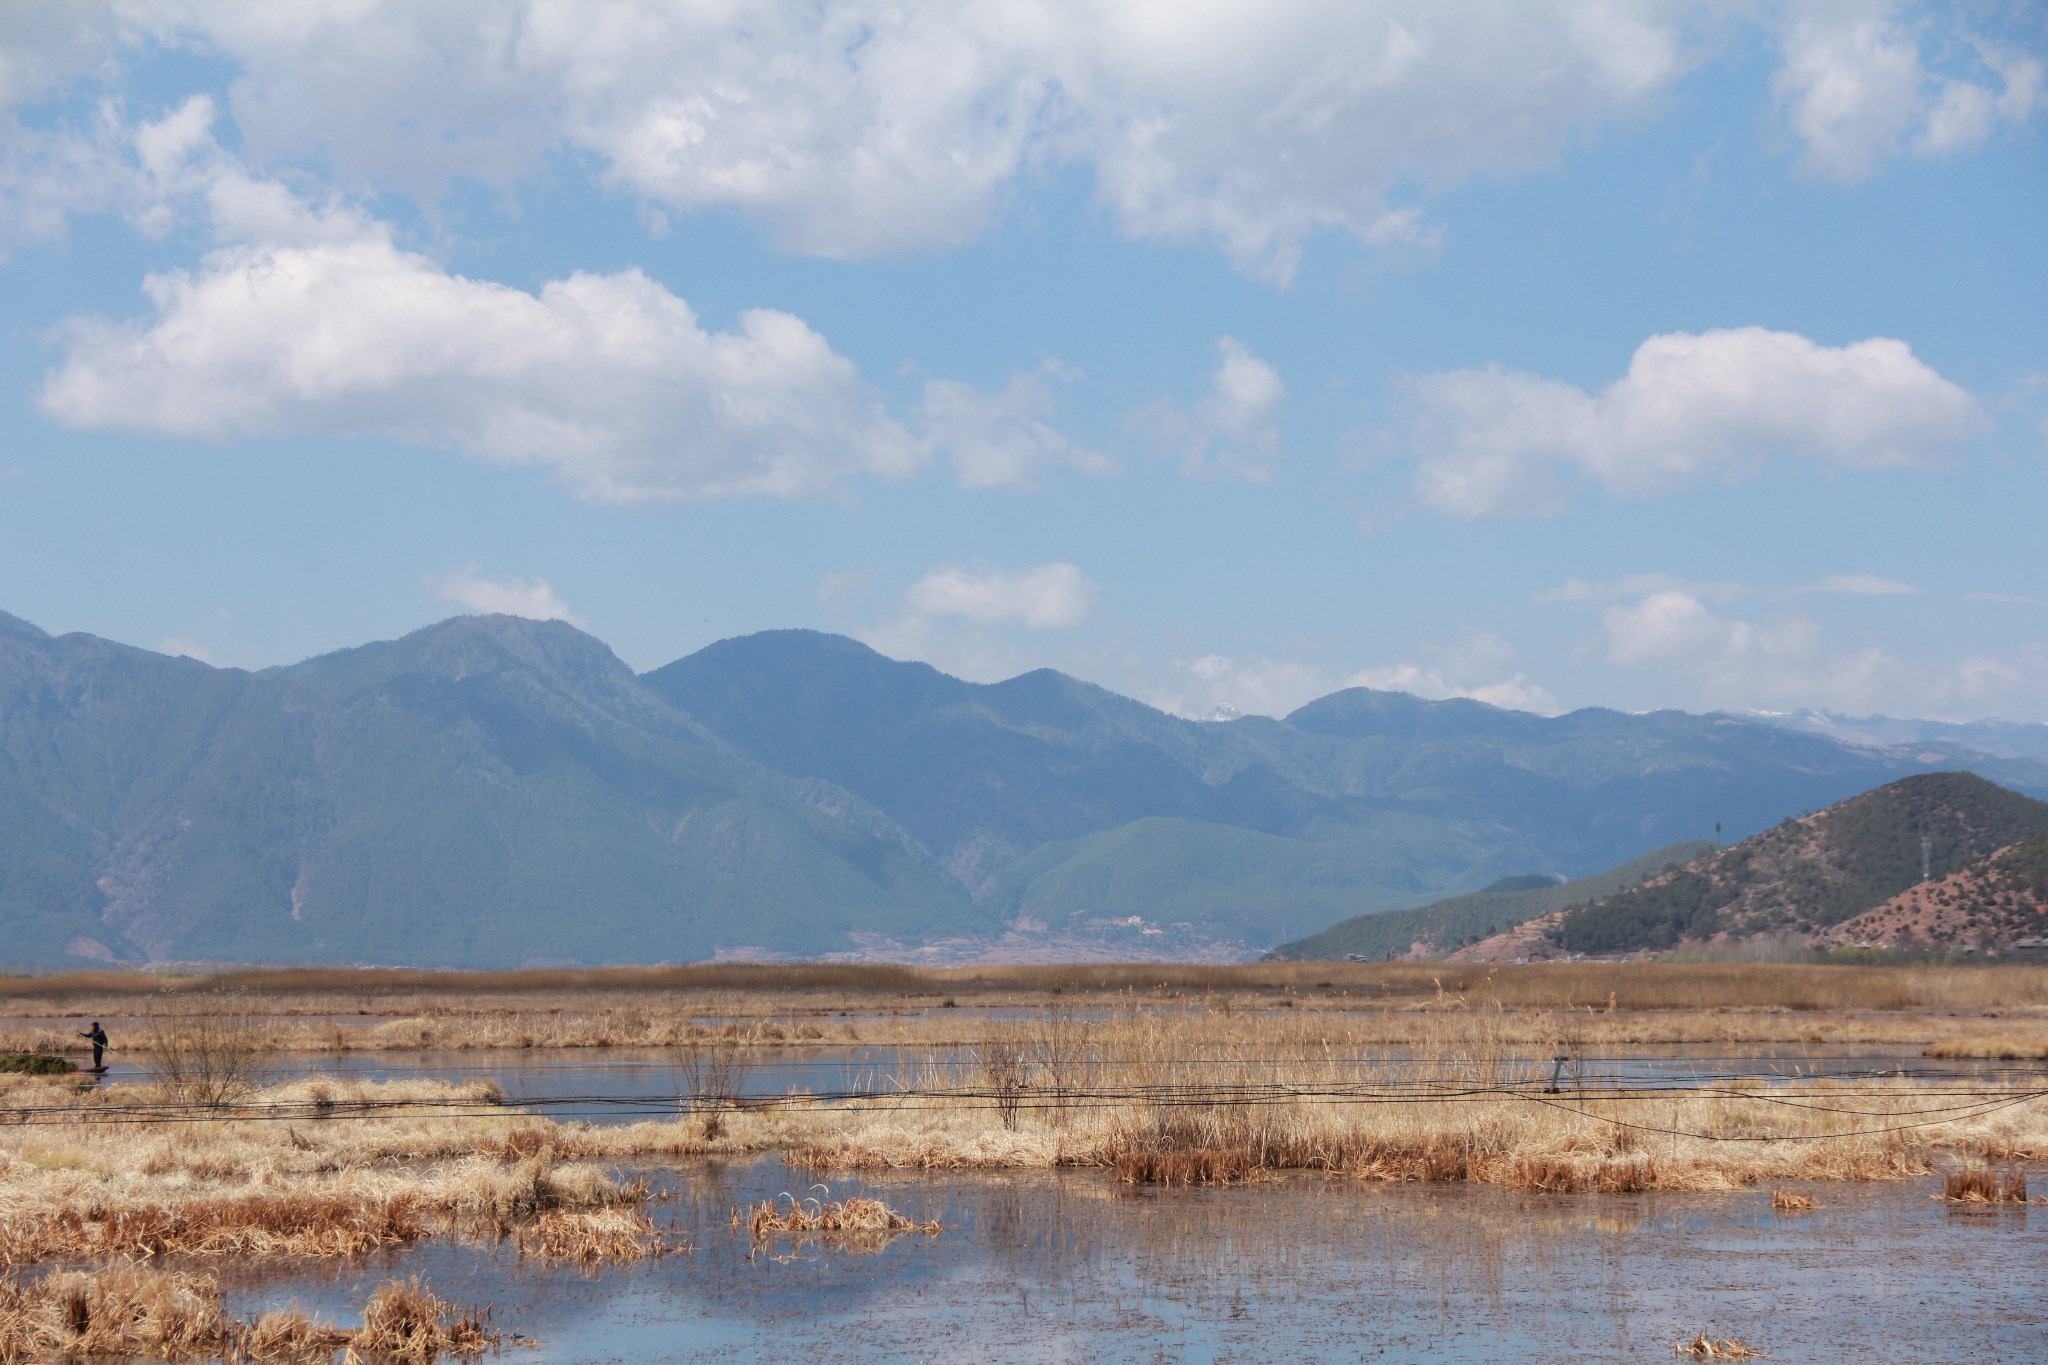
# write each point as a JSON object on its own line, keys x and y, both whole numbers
{"x": 1706, "y": 1347}
{"x": 338, "y": 1008}
{"x": 857, "y": 1217}
{"x": 2005, "y": 1046}
{"x": 590, "y": 1238}
{"x": 1977, "y": 1186}
{"x": 89, "y": 1179}
{"x": 1150, "y": 1092}
{"x": 1202, "y": 1098}
{"x": 125, "y": 1311}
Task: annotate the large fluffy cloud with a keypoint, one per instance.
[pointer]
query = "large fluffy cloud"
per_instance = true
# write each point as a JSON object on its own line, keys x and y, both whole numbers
{"x": 858, "y": 127}
{"x": 1496, "y": 441}
{"x": 853, "y": 128}
{"x": 311, "y": 318}
{"x": 610, "y": 381}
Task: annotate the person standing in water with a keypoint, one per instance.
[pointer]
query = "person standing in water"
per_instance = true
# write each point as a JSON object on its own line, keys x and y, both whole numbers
{"x": 98, "y": 1039}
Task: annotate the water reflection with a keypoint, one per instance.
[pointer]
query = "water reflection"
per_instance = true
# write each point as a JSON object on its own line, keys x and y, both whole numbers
{"x": 1065, "y": 1265}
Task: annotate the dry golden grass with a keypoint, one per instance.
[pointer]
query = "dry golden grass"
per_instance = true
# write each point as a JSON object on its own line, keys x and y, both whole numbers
{"x": 1789, "y": 1201}
{"x": 2005, "y": 1046}
{"x": 1707, "y": 1347}
{"x": 1456, "y": 1103}
{"x": 1976, "y": 1186}
{"x": 405, "y": 1321}
{"x": 86, "y": 1180}
{"x": 1154, "y": 1091}
{"x": 789, "y": 1216}
{"x": 656, "y": 1007}
{"x": 127, "y": 1311}
{"x": 592, "y": 1237}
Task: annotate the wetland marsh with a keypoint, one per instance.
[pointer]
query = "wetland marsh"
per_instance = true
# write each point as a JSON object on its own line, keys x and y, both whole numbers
{"x": 1118, "y": 1167}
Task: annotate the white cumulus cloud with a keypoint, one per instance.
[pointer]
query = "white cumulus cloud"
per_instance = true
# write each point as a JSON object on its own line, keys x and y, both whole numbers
{"x": 534, "y": 598}
{"x": 314, "y": 320}
{"x": 1041, "y": 597}
{"x": 1231, "y": 431}
{"x": 1721, "y": 403}
{"x": 1861, "y": 84}
{"x": 853, "y": 128}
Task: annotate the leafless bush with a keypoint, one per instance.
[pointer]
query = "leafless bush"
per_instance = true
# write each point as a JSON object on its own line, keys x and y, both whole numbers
{"x": 1004, "y": 1066}
{"x": 207, "y": 1048}
{"x": 710, "y": 1072}
{"x": 1063, "y": 1058}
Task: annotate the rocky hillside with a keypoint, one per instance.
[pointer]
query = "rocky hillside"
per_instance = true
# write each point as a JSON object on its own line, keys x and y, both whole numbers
{"x": 1989, "y": 905}
{"x": 1813, "y": 876}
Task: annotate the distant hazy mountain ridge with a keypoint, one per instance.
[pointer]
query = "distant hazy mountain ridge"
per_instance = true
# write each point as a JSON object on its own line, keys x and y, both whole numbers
{"x": 492, "y": 791}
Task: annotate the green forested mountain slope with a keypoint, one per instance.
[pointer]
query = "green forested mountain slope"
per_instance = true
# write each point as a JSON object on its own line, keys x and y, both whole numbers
{"x": 1446, "y": 925}
{"x": 491, "y": 790}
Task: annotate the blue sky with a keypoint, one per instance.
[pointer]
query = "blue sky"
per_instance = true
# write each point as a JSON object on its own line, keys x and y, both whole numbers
{"x": 1556, "y": 354}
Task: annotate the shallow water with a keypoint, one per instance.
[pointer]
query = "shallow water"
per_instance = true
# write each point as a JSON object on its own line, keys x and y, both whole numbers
{"x": 623, "y": 1085}
{"x": 1067, "y": 1266}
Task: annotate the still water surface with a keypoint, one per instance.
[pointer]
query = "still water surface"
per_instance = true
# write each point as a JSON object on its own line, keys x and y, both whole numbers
{"x": 1068, "y": 1266}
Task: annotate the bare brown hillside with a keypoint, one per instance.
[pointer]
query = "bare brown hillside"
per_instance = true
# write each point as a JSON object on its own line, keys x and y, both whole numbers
{"x": 1989, "y": 905}
{"x": 1812, "y": 875}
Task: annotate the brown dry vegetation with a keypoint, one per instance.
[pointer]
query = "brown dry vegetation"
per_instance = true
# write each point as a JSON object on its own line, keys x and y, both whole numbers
{"x": 133, "y": 1310}
{"x": 85, "y": 1179}
{"x": 1974, "y": 1185}
{"x": 770, "y": 1006}
{"x": 790, "y": 1216}
{"x": 1153, "y": 1089}
{"x": 1204, "y": 1097}
{"x": 1706, "y": 1347}
{"x": 591, "y": 1237}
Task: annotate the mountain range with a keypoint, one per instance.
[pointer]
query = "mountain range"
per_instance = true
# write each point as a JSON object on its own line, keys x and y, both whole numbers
{"x": 494, "y": 791}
